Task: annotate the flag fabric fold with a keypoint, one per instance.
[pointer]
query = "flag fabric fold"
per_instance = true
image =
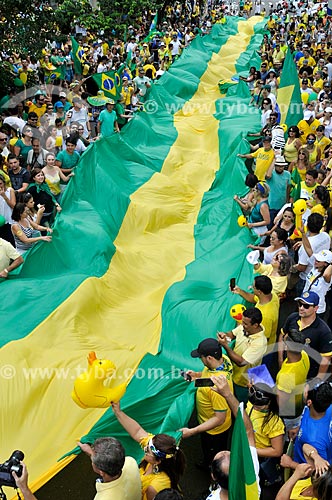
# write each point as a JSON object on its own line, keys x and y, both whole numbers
{"x": 289, "y": 94}
{"x": 242, "y": 484}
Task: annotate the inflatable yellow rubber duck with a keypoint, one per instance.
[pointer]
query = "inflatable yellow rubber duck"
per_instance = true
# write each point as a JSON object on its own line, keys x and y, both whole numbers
{"x": 299, "y": 207}
{"x": 89, "y": 389}
{"x": 242, "y": 221}
{"x": 236, "y": 312}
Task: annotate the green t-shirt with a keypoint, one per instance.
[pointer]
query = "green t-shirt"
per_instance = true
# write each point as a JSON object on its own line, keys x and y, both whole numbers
{"x": 119, "y": 109}
{"x": 67, "y": 160}
{"x": 107, "y": 120}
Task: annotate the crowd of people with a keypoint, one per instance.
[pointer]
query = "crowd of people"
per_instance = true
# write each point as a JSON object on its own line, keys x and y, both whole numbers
{"x": 287, "y": 207}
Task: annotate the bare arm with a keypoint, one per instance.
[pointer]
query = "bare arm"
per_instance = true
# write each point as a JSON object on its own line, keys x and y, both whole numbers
{"x": 301, "y": 471}
{"x": 275, "y": 450}
{"x": 129, "y": 424}
{"x": 17, "y": 262}
{"x": 249, "y": 297}
{"x": 22, "y": 483}
{"x": 218, "y": 419}
{"x": 222, "y": 388}
{"x": 11, "y": 200}
{"x": 21, "y": 236}
{"x": 314, "y": 459}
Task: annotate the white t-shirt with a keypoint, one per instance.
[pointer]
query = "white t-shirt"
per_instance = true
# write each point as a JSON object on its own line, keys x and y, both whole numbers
{"x": 319, "y": 242}
{"x": 319, "y": 286}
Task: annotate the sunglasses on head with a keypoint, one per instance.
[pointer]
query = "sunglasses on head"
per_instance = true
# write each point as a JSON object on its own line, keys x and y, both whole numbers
{"x": 303, "y": 304}
{"x": 258, "y": 394}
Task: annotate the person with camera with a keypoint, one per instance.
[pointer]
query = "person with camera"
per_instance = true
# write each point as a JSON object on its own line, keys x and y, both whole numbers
{"x": 22, "y": 483}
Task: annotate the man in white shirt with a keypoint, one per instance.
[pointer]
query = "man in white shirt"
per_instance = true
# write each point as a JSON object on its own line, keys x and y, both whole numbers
{"x": 141, "y": 82}
{"x": 79, "y": 114}
{"x": 318, "y": 241}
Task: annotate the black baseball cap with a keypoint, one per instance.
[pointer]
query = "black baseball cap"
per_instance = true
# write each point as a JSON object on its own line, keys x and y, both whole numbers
{"x": 208, "y": 347}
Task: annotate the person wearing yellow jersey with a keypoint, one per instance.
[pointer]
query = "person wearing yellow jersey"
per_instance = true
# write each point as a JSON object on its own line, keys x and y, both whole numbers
{"x": 277, "y": 271}
{"x": 271, "y": 23}
{"x": 301, "y": 487}
{"x": 266, "y": 301}
{"x": 248, "y": 351}
{"x": 322, "y": 141}
{"x": 291, "y": 379}
{"x": 307, "y": 57}
{"x": 126, "y": 92}
{"x": 269, "y": 429}
{"x": 163, "y": 462}
{"x": 308, "y": 125}
{"x": 167, "y": 38}
{"x": 264, "y": 157}
{"x": 213, "y": 413}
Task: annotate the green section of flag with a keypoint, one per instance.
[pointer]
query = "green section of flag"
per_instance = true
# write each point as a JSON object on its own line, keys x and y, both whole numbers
{"x": 295, "y": 192}
{"x": 289, "y": 95}
{"x": 78, "y": 55}
{"x": 109, "y": 83}
{"x": 242, "y": 483}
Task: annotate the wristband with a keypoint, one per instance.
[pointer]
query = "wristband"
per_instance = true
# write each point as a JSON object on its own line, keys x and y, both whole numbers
{"x": 6, "y": 270}
{"x": 312, "y": 451}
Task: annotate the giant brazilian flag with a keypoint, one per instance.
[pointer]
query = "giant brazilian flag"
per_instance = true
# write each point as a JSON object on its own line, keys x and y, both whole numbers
{"x": 139, "y": 263}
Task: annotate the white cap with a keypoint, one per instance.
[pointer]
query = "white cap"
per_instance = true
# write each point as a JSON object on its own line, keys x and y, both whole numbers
{"x": 324, "y": 256}
{"x": 308, "y": 114}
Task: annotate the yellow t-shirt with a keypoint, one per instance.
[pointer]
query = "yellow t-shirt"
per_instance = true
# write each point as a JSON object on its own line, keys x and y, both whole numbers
{"x": 128, "y": 485}
{"x": 263, "y": 161}
{"x": 252, "y": 349}
{"x": 39, "y": 111}
{"x": 272, "y": 429}
{"x": 279, "y": 283}
{"x": 208, "y": 402}
{"x": 291, "y": 379}
{"x": 270, "y": 313}
{"x": 323, "y": 143}
{"x": 300, "y": 486}
{"x": 307, "y": 129}
{"x": 311, "y": 61}
{"x": 159, "y": 481}
{"x": 319, "y": 209}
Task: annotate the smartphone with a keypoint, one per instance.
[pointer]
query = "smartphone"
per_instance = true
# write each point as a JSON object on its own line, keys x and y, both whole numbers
{"x": 185, "y": 375}
{"x": 232, "y": 283}
{"x": 203, "y": 382}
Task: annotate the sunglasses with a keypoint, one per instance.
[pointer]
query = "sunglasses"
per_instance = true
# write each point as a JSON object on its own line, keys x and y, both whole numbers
{"x": 304, "y": 305}
{"x": 3, "y": 140}
{"x": 258, "y": 394}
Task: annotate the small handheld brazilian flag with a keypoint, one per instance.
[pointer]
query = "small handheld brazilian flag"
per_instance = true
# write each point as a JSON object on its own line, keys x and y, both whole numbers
{"x": 109, "y": 83}
{"x": 78, "y": 55}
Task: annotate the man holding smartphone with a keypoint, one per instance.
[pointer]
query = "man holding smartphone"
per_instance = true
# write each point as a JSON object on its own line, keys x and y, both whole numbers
{"x": 213, "y": 413}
